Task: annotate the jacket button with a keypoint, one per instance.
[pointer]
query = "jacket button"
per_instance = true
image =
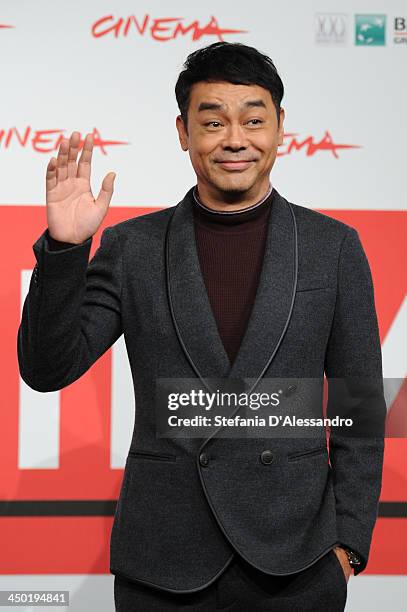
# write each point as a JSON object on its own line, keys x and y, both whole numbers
{"x": 290, "y": 389}
{"x": 267, "y": 457}
{"x": 203, "y": 459}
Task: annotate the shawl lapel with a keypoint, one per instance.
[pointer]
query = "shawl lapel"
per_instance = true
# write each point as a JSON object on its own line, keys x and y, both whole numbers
{"x": 192, "y": 311}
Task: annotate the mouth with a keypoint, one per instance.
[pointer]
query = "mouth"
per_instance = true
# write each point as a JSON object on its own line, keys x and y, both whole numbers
{"x": 235, "y": 165}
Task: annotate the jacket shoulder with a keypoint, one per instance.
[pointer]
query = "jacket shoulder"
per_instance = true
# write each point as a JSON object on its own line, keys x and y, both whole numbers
{"x": 309, "y": 217}
{"x": 149, "y": 224}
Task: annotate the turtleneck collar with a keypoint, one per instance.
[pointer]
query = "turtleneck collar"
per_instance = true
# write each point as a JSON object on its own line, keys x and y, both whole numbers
{"x": 208, "y": 216}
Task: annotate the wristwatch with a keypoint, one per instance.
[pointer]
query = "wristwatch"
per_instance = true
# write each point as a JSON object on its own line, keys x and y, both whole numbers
{"x": 353, "y": 558}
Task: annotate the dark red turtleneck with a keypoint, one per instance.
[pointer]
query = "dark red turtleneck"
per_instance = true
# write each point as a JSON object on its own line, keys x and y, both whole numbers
{"x": 230, "y": 249}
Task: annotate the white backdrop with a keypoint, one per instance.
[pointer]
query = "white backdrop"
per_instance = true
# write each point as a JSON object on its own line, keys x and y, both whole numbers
{"x": 57, "y": 76}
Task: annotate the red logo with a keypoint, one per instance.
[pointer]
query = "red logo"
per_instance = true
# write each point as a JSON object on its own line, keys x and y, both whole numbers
{"x": 311, "y": 147}
{"x": 47, "y": 141}
{"x": 162, "y": 29}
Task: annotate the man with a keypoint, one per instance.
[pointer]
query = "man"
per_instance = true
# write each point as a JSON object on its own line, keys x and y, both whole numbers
{"x": 234, "y": 283}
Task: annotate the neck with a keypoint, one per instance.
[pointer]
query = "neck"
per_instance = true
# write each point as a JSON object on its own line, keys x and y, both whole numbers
{"x": 231, "y": 212}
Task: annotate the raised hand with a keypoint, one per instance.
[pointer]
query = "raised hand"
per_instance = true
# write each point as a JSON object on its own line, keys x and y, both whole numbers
{"x": 73, "y": 214}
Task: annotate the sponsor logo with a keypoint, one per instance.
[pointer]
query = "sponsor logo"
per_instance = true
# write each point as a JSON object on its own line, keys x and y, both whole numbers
{"x": 331, "y": 28}
{"x": 400, "y": 30}
{"x": 370, "y": 30}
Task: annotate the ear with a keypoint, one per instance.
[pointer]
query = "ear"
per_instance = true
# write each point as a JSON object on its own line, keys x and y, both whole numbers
{"x": 182, "y": 133}
{"x": 281, "y": 127}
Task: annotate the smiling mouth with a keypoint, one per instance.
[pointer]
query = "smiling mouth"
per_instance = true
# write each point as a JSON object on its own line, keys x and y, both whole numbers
{"x": 235, "y": 165}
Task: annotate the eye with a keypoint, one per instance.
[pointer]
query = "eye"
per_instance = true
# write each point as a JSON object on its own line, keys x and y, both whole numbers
{"x": 212, "y": 123}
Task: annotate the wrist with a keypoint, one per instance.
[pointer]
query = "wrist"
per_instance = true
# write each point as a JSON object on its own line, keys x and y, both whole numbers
{"x": 354, "y": 559}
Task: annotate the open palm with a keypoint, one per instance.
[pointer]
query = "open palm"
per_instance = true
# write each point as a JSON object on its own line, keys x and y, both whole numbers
{"x": 73, "y": 214}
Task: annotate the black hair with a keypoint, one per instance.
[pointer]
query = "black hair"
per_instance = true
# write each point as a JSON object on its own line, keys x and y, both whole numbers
{"x": 232, "y": 62}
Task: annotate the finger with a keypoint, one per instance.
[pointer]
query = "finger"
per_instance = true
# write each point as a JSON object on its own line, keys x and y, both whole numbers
{"x": 51, "y": 176}
{"x": 73, "y": 153}
{"x": 62, "y": 160}
{"x": 86, "y": 158}
{"x": 106, "y": 192}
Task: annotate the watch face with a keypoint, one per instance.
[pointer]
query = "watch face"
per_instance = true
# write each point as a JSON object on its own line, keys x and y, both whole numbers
{"x": 353, "y": 559}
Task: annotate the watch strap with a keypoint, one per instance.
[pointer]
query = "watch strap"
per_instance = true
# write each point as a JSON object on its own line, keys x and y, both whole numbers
{"x": 353, "y": 557}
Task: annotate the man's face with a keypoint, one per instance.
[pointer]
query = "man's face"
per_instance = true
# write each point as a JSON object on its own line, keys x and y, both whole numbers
{"x": 232, "y": 139}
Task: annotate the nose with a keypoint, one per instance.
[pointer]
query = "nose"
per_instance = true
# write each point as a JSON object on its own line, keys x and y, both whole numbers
{"x": 235, "y": 138}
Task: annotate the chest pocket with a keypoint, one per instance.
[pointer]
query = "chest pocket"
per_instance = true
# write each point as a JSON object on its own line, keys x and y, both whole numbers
{"x": 313, "y": 283}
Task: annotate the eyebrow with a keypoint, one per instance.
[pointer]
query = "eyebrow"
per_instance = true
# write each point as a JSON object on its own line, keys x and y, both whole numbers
{"x": 215, "y": 106}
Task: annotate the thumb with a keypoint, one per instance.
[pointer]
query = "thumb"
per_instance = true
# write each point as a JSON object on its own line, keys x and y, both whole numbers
{"x": 106, "y": 191}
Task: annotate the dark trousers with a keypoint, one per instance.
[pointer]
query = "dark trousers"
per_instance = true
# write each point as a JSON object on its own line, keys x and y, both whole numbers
{"x": 322, "y": 587}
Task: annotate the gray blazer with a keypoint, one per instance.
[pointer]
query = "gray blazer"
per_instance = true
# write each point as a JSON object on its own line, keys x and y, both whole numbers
{"x": 187, "y": 504}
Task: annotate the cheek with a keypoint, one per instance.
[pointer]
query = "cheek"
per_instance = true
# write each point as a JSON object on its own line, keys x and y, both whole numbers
{"x": 270, "y": 153}
{"x": 205, "y": 145}
{"x": 202, "y": 155}
{"x": 199, "y": 162}
{"x": 267, "y": 142}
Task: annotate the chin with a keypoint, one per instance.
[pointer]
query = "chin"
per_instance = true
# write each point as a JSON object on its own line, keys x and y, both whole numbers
{"x": 234, "y": 188}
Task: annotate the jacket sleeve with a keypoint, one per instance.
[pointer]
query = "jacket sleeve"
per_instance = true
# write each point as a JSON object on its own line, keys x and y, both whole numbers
{"x": 57, "y": 245}
{"x": 72, "y": 312}
{"x": 353, "y": 366}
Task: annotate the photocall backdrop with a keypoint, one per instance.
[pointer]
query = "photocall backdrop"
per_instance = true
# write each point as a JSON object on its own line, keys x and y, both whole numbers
{"x": 110, "y": 68}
